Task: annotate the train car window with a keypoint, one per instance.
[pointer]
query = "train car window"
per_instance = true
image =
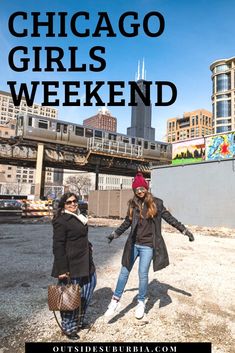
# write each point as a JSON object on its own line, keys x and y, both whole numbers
{"x": 146, "y": 145}
{"x": 42, "y": 124}
{"x": 79, "y": 131}
{"x": 30, "y": 121}
{"x": 152, "y": 146}
{"x": 133, "y": 141}
{"x": 163, "y": 148}
{"x": 112, "y": 137}
{"x": 65, "y": 129}
{"x": 139, "y": 142}
{"x": 58, "y": 125}
{"x": 88, "y": 132}
{"x": 98, "y": 133}
{"x": 125, "y": 140}
{"x": 21, "y": 120}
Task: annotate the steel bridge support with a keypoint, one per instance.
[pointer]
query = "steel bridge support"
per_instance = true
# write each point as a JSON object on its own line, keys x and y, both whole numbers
{"x": 96, "y": 177}
{"x": 40, "y": 173}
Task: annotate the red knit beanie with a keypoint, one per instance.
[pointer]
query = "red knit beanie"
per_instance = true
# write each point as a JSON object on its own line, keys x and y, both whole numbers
{"x": 139, "y": 181}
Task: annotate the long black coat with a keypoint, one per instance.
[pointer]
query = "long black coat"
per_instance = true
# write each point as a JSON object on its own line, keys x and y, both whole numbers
{"x": 71, "y": 248}
{"x": 160, "y": 255}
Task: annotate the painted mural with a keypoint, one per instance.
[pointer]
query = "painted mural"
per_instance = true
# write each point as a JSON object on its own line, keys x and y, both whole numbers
{"x": 192, "y": 151}
{"x": 210, "y": 148}
{"x": 220, "y": 146}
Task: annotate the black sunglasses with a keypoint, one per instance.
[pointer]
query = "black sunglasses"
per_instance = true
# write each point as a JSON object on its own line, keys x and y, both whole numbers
{"x": 140, "y": 189}
{"x": 70, "y": 202}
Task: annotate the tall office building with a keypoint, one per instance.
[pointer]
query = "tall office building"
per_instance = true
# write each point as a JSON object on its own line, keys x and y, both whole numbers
{"x": 19, "y": 180}
{"x": 223, "y": 94}
{"x": 102, "y": 120}
{"x": 192, "y": 124}
{"x": 141, "y": 115}
{"x": 9, "y": 111}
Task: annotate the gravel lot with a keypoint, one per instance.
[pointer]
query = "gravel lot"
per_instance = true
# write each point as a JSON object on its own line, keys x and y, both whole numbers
{"x": 192, "y": 300}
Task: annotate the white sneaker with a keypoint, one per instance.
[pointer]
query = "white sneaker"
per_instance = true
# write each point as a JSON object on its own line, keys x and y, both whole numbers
{"x": 139, "y": 311}
{"x": 112, "y": 308}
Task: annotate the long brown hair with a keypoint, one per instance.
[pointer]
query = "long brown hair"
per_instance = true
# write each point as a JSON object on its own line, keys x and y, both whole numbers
{"x": 135, "y": 202}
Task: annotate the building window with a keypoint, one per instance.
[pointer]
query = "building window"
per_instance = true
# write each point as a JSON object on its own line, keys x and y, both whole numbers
{"x": 223, "y": 109}
{"x": 221, "y": 68}
{"x": 223, "y": 129}
{"x": 223, "y": 82}
{"x": 223, "y": 121}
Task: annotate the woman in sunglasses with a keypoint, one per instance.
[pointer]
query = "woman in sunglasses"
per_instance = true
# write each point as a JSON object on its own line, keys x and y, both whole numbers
{"x": 144, "y": 241}
{"x": 73, "y": 258}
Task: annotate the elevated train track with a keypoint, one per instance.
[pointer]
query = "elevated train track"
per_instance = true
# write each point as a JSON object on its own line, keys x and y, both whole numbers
{"x": 72, "y": 146}
{"x": 43, "y": 142}
{"x": 23, "y": 152}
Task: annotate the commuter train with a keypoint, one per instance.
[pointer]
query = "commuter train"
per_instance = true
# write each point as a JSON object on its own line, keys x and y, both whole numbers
{"x": 39, "y": 128}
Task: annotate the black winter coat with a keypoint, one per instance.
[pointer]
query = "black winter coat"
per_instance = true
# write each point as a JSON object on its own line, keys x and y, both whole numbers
{"x": 160, "y": 255}
{"x": 71, "y": 248}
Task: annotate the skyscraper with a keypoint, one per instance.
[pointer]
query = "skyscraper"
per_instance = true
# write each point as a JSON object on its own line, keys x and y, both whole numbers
{"x": 223, "y": 95}
{"x": 141, "y": 114}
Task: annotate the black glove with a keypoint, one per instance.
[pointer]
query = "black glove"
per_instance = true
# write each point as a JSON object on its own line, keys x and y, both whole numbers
{"x": 111, "y": 236}
{"x": 189, "y": 234}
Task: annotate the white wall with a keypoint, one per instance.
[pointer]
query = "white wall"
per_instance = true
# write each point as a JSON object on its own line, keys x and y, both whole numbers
{"x": 200, "y": 194}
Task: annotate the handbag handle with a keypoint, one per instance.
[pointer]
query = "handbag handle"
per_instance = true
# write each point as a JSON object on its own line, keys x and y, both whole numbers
{"x": 79, "y": 319}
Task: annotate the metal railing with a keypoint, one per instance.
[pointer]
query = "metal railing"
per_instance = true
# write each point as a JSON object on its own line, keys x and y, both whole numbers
{"x": 114, "y": 147}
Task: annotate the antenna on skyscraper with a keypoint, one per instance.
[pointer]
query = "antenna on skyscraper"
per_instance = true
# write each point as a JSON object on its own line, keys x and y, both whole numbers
{"x": 143, "y": 70}
{"x": 138, "y": 73}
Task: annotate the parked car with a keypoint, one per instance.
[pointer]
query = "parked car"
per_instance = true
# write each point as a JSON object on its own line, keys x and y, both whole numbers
{"x": 10, "y": 211}
{"x": 10, "y": 204}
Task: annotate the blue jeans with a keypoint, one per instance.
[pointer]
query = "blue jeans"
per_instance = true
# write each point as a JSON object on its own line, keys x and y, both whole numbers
{"x": 145, "y": 254}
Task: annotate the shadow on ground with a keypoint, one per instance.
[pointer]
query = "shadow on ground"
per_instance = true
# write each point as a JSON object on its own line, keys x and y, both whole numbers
{"x": 157, "y": 291}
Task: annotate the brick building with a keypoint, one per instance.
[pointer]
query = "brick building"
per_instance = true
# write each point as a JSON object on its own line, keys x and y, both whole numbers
{"x": 102, "y": 120}
{"x": 193, "y": 124}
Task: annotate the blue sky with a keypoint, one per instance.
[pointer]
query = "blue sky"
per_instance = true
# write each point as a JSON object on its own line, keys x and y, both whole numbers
{"x": 196, "y": 34}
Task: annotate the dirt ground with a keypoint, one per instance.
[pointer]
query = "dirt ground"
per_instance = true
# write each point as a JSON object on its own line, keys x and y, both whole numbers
{"x": 192, "y": 300}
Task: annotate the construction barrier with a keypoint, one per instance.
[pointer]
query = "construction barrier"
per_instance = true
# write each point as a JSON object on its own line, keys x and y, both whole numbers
{"x": 36, "y": 209}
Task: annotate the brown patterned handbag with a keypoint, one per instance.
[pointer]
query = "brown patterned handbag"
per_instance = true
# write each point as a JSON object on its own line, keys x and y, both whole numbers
{"x": 64, "y": 297}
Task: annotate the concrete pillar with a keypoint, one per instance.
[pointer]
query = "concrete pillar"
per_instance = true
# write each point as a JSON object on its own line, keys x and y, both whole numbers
{"x": 97, "y": 177}
{"x": 40, "y": 173}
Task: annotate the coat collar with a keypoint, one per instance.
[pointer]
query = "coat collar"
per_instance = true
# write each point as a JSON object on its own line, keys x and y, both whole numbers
{"x": 79, "y": 216}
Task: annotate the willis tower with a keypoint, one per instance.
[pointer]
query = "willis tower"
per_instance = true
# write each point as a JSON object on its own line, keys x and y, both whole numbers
{"x": 141, "y": 114}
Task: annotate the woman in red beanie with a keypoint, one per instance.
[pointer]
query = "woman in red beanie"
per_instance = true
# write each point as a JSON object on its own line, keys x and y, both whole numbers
{"x": 144, "y": 241}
